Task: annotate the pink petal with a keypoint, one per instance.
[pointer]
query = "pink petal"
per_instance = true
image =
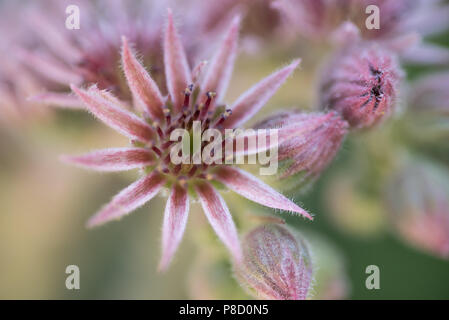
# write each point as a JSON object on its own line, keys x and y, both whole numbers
{"x": 177, "y": 69}
{"x": 283, "y": 135}
{"x": 255, "y": 190}
{"x": 114, "y": 100}
{"x": 254, "y": 99}
{"x": 56, "y": 99}
{"x": 49, "y": 67}
{"x": 129, "y": 199}
{"x": 144, "y": 89}
{"x": 116, "y": 159}
{"x": 54, "y": 37}
{"x": 219, "y": 217}
{"x": 175, "y": 220}
{"x": 220, "y": 70}
{"x": 114, "y": 116}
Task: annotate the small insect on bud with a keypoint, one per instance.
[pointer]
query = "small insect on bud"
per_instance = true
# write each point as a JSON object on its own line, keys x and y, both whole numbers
{"x": 361, "y": 84}
{"x": 276, "y": 265}
{"x": 418, "y": 202}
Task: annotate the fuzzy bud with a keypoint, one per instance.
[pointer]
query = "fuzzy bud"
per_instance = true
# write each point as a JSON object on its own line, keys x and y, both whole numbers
{"x": 361, "y": 84}
{"x": 276, "y": 265}
{"x": 315, "y": 140}
{"x": 418, "y": 201}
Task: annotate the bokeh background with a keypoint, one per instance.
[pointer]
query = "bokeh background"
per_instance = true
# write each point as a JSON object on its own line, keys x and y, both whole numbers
{"x": 44, "y": 205}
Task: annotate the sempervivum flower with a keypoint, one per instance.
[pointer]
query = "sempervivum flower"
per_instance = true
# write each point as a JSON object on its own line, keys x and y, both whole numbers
{"x": 418, "y": 202}
{"x": 317, "y": 139}
{"x": 59, "y": 56}
{"x": 430, "y": 95}
{"x": 186, "y": 103}
{"x": 402, "y": 24}
{"x": 276, "y": 264}
{"x": 361, "y": 83}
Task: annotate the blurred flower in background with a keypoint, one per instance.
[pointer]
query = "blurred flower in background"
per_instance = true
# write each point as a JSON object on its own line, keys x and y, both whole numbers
{"x": 426, "y": 120}
{"x": 417, "y": 198}
{"x": 51, "y": 57}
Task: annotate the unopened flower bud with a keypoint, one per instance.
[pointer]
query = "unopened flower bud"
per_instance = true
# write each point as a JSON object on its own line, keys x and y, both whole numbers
{"x": 276, "y": 265}
{"x": 314, "y": 141}
{"x": 418, "y": 202}
{"x": 361, "y": 84}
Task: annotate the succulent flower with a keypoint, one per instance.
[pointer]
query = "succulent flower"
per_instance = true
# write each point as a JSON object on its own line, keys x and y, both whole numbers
{"x": 56, "y": 56}
{"x": 418, "y": 202}
{"x": 319, "y": 18}
{"x": 187, "y": 102}
{"x": 317, "y": 139}
{"x": 361, "y": 84}
{"x": 429, "y": 94}
{"x": 276, "y": 265}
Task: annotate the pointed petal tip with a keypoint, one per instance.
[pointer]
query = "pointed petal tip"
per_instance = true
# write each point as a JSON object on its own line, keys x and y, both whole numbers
{"x": 257, "y": 191}
{"x": 146, "y": 94}
{"x": 170, "y": 21}
{"x": 39, "y": 97}
{"x": 163, "y": 266}
{"x": 302, "y": 212}
{"x": 93, "y": 222}
{"x": 177, "y": 70}
{"x": 64, "y": 158}
{"x": 34, "y": 98}
{"x": 295, "y": 63}
{"x": 125, "y": 46}
{"x": 235, "y": 23}
{"x": 75, "y": 88}
{"x": 237, "y": 256}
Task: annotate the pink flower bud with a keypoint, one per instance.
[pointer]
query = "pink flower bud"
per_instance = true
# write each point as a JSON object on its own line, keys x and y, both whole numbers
{"x": 361, "y": 84}
{"x": 315, "y": 140}
{"x": 276, "y": 265}
{"x": 418, "y": 201}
